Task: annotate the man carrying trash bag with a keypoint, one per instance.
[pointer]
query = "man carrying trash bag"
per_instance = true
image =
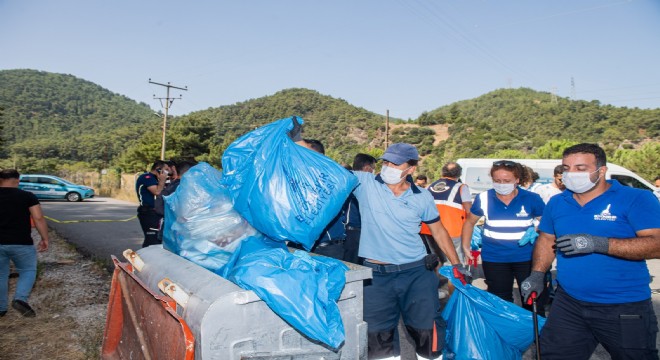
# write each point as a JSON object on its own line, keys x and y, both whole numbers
{"x": 404, "y": 282}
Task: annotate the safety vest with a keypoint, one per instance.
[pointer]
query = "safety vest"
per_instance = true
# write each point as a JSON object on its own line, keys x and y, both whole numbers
{"x": 446, "y": 193}
{"x": 501, "y": 229}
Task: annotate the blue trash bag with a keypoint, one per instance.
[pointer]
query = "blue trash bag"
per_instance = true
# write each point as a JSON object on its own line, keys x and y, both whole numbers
{"x": 529, "y": 237}
{"x": 480, "y": 325}
{"x": 200, "y": 223}
{"x": 300, "y": 288}
{"x": 201, "y": 226}
{"x": 284, "y": 190}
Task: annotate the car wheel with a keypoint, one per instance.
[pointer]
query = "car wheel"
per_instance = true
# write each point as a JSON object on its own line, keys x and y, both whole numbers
{"x": 73, "y": 196}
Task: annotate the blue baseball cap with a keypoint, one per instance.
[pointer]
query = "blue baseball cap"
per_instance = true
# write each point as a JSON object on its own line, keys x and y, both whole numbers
{"x": 399, "y": 153}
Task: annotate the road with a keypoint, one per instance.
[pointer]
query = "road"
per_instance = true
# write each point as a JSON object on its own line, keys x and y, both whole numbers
{"x": 98, "y": 227}
{"x": 101, "y": 227}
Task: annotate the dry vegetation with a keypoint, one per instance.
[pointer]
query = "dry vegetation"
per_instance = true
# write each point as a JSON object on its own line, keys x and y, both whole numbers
{"x": 70, "y": 298}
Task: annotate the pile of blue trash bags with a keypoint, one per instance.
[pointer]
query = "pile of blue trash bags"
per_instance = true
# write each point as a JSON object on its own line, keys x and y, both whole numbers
{"x": 236, "y": 223}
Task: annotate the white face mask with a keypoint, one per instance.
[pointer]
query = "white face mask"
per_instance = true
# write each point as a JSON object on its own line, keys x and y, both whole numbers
{"x": 504, "y": 189}
{"x": 391, "y": 175}
{"x": 579, "y": 182}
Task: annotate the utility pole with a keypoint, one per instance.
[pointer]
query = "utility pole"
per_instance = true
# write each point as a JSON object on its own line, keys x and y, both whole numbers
{"x": 168, "y": 103}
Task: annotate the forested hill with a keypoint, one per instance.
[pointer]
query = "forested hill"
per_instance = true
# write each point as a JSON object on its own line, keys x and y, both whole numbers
{"x": 51, "y": 120}
{"x": 49, "y": 117}
{"x": 343, "y": 128}
{"x": 524, "y": 120}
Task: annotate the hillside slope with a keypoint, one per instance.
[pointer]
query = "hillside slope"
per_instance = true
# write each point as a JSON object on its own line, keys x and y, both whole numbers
{"x": 48, "y": 115}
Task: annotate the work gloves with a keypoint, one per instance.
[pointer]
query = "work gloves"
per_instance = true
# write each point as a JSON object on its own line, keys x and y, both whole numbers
{"x": 574, "y": 244}
{"x": 533, "y": 284}
{"x": 475, "y": 242}
{"x": 296, "y": 133}
{"x": 462, "y": 273}
{"x": 529, "y": 237}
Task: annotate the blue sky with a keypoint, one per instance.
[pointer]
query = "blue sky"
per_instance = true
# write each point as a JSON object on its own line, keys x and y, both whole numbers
{"x": 406, "y": 56}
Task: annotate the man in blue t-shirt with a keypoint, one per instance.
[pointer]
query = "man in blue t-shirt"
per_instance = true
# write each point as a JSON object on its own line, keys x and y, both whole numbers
{"x": 603, "y": 233}
{"x": 404, "y": 284}
{"x": 147, "y": 187}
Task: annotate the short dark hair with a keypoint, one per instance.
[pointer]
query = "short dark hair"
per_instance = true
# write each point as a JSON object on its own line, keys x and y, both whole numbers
{"x": 362, "y": 160}
{"x": 452, "y": 170}
{"x": 316, "y": 145}
{"x": 586, "y": 148}
{"x": 558, "y": 170}
{"x": 412, "y": 162}
{"x": 421, "y": 177}
{"x": 7, "y": 174}
{"x": 158, "y": 164}
{"x": 184, "y": 166}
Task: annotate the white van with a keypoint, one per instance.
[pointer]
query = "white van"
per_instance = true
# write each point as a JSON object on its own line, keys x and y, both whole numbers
{"x": 476, "y": 174}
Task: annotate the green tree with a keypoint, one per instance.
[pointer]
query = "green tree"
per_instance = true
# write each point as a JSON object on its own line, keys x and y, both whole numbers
{"x": 643, "y": 161}
{"x": 553, "y": 149}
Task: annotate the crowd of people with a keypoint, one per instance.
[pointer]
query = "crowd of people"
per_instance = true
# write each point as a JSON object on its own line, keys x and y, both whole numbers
{"x": 403, "y": 227}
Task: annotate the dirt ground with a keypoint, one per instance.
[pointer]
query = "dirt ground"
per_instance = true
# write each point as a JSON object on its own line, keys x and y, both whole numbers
{"x": 70, "y": 298}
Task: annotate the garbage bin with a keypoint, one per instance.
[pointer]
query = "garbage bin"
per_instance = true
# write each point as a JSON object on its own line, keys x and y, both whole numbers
{"x": 231, "y": 323}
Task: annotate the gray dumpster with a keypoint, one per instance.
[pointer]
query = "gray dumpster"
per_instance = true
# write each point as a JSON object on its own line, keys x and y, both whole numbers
{"x": 231, "y": 323}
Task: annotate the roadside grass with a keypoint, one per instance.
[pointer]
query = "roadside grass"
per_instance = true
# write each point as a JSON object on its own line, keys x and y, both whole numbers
{"x": 70, "y": 298}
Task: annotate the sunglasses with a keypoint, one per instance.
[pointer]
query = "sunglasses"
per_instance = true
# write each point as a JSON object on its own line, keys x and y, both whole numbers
{"x": 506, "y": 163}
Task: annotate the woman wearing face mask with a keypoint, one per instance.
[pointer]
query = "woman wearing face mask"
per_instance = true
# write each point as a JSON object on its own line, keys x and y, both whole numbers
{"x": 509, "y": 211}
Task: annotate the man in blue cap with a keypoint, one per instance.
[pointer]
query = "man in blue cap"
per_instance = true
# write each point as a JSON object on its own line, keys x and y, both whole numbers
{"x": 404, "y": 282}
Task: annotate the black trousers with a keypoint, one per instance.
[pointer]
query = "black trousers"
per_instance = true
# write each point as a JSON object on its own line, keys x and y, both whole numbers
{"x": 150, "y": 223}
{"x": 500, "y": 276}
{"x": 352, "y": 245}
{"x": 333, "y": 249}
{"x": 574, "y": 329}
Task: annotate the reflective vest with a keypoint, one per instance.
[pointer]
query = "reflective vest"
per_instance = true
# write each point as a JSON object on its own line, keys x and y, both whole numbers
{"x": 446, "y": 193}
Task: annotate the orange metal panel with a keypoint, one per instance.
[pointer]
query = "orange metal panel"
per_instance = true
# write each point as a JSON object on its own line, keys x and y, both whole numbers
{"x": 142, "y": 324}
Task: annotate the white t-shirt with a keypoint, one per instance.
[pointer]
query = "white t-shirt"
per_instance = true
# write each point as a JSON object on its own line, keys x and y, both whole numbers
{"x": 547, "y": 191}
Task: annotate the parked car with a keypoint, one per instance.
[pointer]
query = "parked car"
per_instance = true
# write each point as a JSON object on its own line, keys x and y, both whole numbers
{"x": 53, "y": 187}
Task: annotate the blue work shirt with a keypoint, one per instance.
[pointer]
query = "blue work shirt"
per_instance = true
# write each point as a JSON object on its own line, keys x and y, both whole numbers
{"x": 618, "y": 213}
{"x": 145, "y": 197}
{"x": 335, "y": 230}
{"x": 391, "y": 224}
{"x": 352, "y": 209}
{"x": 506, "y": 224}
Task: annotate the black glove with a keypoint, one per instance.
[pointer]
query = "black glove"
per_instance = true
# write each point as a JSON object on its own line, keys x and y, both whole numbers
{"x": 535, "y": 283}
{"x": 295, "y": 133}
{"x": 462, "y": 273}
{"x": 574, "y": 244}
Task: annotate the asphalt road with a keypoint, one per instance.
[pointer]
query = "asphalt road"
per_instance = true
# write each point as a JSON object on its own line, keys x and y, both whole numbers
{"x": 98, "y": 227}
